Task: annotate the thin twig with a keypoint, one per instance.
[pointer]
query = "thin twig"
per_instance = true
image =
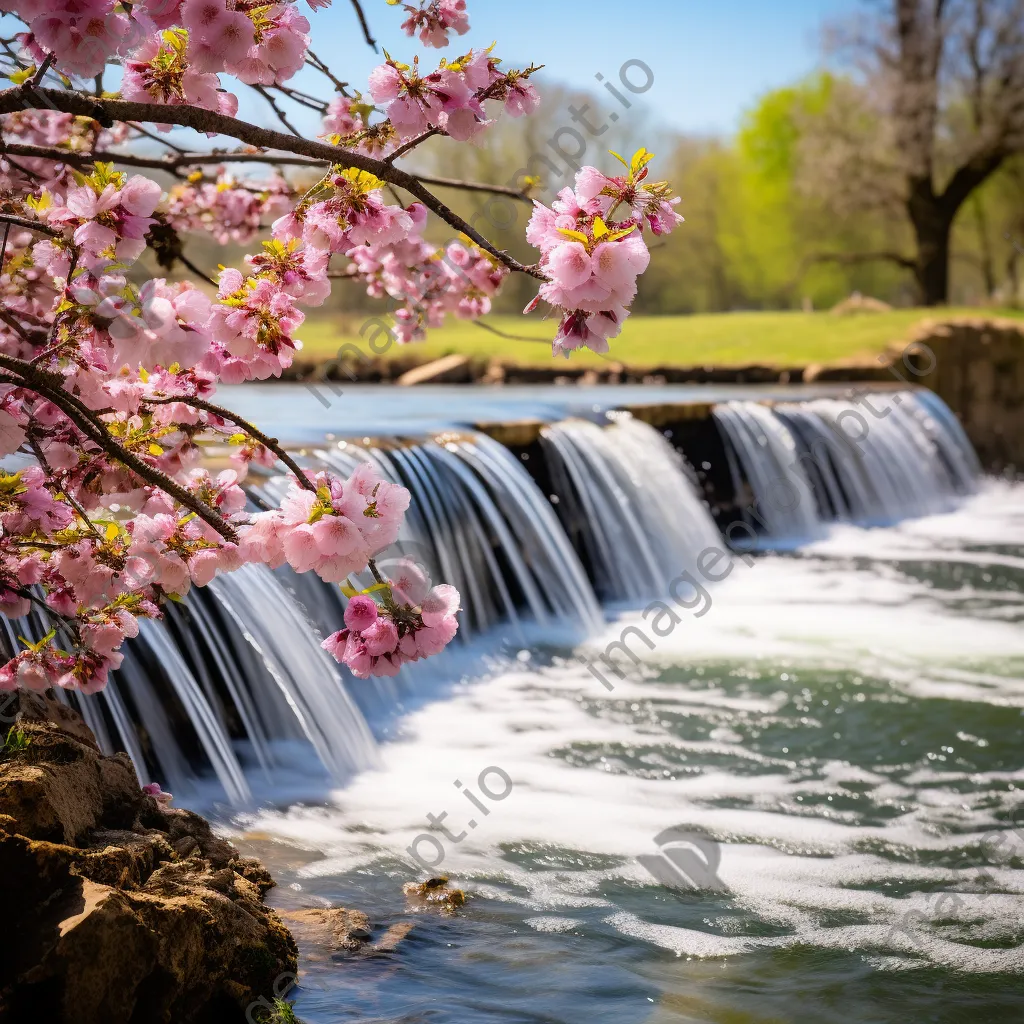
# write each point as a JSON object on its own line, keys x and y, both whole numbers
{"x": 281, "y": 116}
{"x": 412, "y": 144}
{"x": 504, "y": 334}
{"x": 37, "y": 78}
{"x": 474, "y": 186}
{"x": 270, "y": 443}
{"x": 8, "y": 318}
{"x": 315, "y": 62}
{"x": 302, "y": 99}
{"x": 186, "y": 262}
{"x": 157, "y": 138}
{"x": 370, "y": 41}
{"x": 29, "y": 596}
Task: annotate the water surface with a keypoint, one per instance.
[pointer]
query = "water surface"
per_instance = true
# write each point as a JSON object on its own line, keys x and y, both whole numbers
{"x": 844, "y": 725}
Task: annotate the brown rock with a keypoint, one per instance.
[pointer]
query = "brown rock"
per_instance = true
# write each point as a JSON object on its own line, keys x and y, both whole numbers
{"x": 393, "y": 936}
{"x": 126, "y": 912}
{"x": 335, "y": 927}
{"x": 435, "y": 892}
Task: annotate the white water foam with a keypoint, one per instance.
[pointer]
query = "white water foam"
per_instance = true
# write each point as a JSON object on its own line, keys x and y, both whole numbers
{"x": 845, "y": 605}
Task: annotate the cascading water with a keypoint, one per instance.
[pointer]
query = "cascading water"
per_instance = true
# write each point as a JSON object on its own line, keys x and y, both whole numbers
{"x": 233, "y": 685}
{"x": 872, "y": 462}
{"x": 638, "y": 513}
{"x": 767, "y": 453}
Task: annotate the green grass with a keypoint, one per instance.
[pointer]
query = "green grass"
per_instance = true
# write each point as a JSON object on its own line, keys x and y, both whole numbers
{"x": 723, "y": 339}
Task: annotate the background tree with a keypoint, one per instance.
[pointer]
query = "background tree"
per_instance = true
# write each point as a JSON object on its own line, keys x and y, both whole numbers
{"x": 934, "y": 108}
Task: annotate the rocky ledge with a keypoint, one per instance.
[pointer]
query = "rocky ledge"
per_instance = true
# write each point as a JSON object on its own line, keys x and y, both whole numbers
{"x": 117, "y": 909}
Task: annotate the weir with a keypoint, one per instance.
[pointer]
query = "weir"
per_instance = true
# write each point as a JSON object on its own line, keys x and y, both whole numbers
{"x": 232, "y": 695}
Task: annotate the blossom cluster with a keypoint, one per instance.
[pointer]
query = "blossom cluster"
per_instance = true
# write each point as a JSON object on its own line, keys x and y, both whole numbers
{"x": 592, "y": 259}
{"x": 172, "y": 48}
{"x": 65, "y": 133}
{"x": 122, "y": 370}
{"x": 450, "y": 98}
{"x": 344, "y": 210}
{"x": 347, "y": 123}
{"x": 333, "y": 529}
{"x": 229, "y": 209}
{"x": 103, "y": 216}
{"x": 413, "y": 621}
{"x": 434, "y": 19}
{"x": 160, "y": 71}
{"x": 427, "y": 282}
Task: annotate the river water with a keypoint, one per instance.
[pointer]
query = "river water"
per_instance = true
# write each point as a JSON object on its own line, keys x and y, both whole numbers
{"x": 837, "y": 740}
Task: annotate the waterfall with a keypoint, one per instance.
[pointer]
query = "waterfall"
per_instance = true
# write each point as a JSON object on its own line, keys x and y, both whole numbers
{"x": 784, "y": 504}
{"x": 625, "y": 489}
{"x": 231, "y": 692}
{"x": 872, "y": 461}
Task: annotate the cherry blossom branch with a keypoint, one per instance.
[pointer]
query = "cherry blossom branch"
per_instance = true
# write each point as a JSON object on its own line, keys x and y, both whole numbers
{"x": 454, "y": 220}
{"x": 270, "y": 443}
{"x": 40, "y": 382}
{"x": 32, "y": 225}
{"x": 107, "y": 111}
{"x": 484, "y": 94}
{"x": 412, "y": 144}
{"x": 27, "y": 594}
{"x": 173, "y": 164}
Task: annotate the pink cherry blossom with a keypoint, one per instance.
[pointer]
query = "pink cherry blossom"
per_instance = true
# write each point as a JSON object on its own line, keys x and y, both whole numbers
{"x": 434, "y": 19}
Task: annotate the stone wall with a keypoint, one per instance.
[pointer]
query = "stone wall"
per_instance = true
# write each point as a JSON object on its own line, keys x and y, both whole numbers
{"x": 975, "y": 364}
{"x": 978, "y": 369}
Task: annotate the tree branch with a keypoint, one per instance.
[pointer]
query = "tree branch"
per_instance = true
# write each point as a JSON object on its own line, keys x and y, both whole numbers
{"x": 852, "y": 258}
{"x": 412, "y": 144}
{"x": 173, "y": 164}
{"x": 107, "y": 111}
{"x": 474, "y": 186}
{"x": 315, "y": 62}
{"x": 270, "y": 443}
{"x": 364, "y": 24}
{"x": 9, "y": 319}
{"x": 504, "y": 334}
{"x": 32, "y": 225}
{"x": 34, "y": 379}
{"x": 969, "y": 176}
{"x": 189, "y": 265}
{"x": 277, "y": 110}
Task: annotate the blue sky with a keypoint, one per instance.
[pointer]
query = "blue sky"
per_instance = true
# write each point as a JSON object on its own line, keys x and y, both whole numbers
{"x": 710, "y": 60}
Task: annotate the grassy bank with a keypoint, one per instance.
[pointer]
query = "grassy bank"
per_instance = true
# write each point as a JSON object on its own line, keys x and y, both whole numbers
{"x": 721, "y": 339}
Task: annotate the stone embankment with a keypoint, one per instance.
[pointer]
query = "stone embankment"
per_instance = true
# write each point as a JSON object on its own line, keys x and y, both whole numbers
{"x": 119, "y": 910}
